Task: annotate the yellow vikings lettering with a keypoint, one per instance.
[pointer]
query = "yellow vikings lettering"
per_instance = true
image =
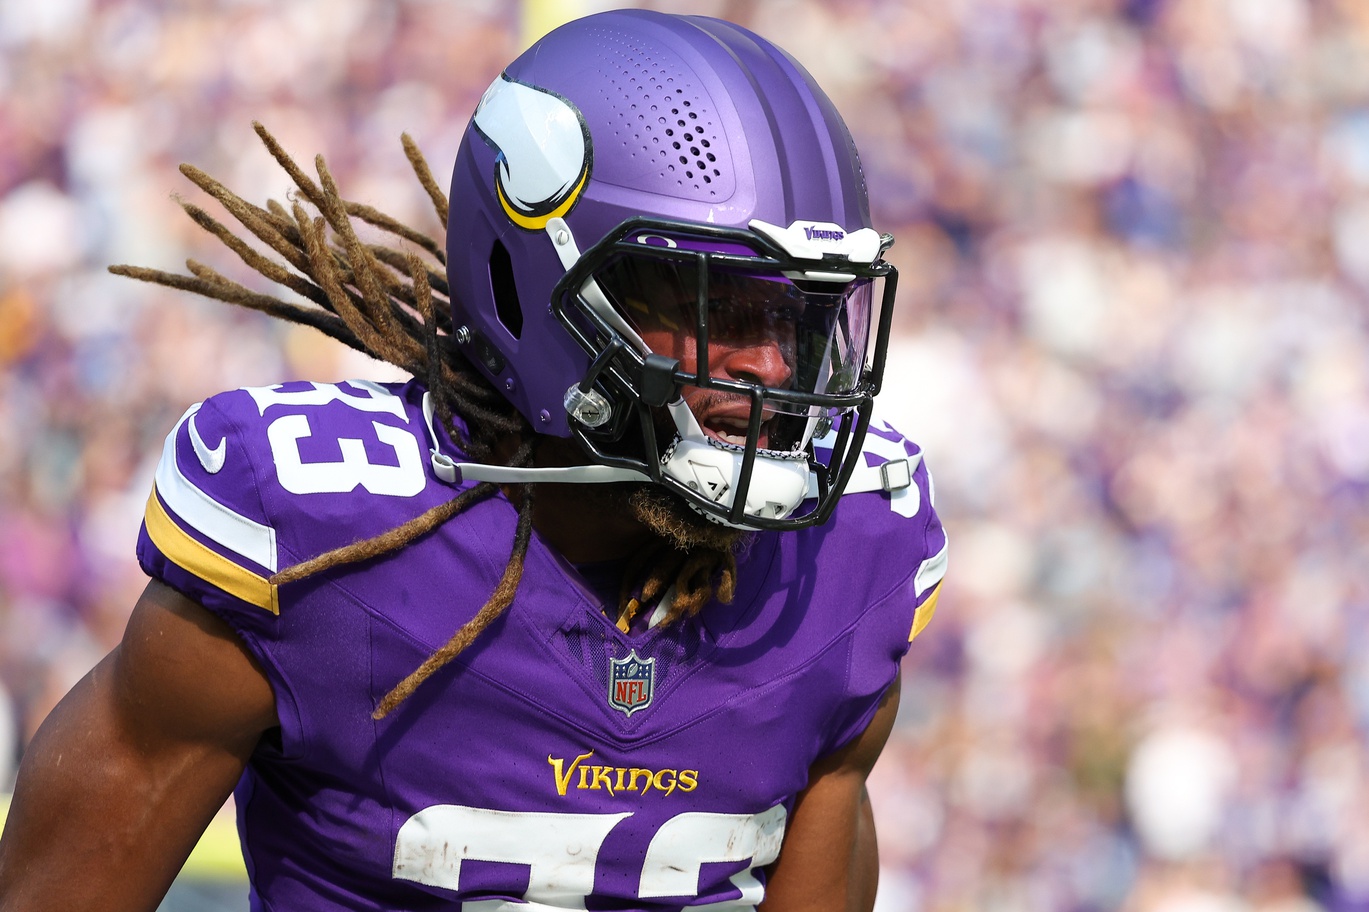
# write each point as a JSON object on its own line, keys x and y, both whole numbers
{"x": 563, "y": 781}
{"x": 616, "y": 779}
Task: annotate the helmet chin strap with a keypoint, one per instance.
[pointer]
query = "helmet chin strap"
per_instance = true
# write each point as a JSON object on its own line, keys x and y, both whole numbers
{"x": 452, "y": 472}
{"x": 694, "y": 460}
{"x": 692, "y": 457}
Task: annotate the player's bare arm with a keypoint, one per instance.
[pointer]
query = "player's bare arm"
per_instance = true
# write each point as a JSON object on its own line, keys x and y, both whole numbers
{"x": 830, "y": 859}
{"x": 124, "y": 775}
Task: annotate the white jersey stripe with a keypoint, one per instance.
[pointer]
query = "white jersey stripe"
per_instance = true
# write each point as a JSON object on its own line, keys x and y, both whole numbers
{"x": 236, "y": 532}
{"x": 930, "y": 573}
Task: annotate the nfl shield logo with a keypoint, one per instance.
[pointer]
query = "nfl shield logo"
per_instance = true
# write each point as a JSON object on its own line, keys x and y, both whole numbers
{"x": 630, "y": 682}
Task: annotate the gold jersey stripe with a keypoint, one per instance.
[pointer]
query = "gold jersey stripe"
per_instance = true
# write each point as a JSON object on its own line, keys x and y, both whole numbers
{"x": 925, "y": 612}
{"x": 206, "y": 563}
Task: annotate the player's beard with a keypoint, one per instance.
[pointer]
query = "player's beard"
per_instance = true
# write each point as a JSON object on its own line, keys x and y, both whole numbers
{"x": 664, "y": 515}
{"x": 667, "y": 515}
{"x": 670, "y": 518}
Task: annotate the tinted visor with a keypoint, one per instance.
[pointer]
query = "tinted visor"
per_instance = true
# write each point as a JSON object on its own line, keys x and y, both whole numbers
{"x": 808, "y": 337}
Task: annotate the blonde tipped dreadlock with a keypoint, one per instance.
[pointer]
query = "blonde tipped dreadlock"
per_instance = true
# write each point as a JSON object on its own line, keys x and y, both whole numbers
{"x": 698, "y": 575}
{"x": 394, "y": 305}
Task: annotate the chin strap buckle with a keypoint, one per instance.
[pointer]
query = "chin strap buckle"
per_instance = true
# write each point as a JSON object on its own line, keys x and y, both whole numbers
{"x": 896, "y": 474}
{"x": 444, "y": 467}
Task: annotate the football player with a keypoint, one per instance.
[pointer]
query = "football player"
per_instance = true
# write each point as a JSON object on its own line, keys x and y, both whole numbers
{"x": 603, "y": 610}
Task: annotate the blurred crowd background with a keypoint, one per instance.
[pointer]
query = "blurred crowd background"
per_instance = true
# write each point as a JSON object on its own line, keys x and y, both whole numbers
{"x": 1133, "y": 243}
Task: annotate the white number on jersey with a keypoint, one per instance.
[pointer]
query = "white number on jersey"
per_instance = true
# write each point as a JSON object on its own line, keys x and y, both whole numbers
{"x": 354, "y": 470}
{"x": 562, "y": 851}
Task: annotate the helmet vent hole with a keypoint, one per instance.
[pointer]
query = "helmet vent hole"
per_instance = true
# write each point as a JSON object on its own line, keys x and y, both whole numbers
{"x": 506, "y": 303}
{"x": 654, "y": 107}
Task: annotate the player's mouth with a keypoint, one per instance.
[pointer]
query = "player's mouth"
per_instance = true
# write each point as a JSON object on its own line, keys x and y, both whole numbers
{"x": 731, "y": 429}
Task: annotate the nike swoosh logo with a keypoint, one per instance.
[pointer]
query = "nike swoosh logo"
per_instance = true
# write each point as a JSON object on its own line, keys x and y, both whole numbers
{"x": 212, "y": 460}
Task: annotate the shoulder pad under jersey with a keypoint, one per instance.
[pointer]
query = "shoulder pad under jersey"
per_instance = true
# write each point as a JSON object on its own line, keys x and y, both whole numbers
{"x": 892, "y": 468}
{"x": 881, "y": 563}
{"x": 255, "y": 480}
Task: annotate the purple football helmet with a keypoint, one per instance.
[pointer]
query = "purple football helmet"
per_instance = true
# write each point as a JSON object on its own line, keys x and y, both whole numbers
{"x": 660, "y": 244}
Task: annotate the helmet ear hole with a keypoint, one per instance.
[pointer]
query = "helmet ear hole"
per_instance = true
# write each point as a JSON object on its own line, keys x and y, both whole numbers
{"x": 506, "y": 304}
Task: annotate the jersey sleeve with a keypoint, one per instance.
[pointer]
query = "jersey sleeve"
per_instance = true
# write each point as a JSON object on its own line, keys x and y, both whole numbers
{"x": 206, "y": 533}
{"x": 205, "y": 530}
{"x": 903, "y": 550}
{"x": 258, "y": 480}
{"x": 931, "y": 569}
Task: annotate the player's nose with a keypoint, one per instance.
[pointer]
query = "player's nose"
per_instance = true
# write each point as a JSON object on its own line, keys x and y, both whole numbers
{"x": 759, "y": 361}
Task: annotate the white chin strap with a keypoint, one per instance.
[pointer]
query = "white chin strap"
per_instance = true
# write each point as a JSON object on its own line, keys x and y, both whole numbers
{"x": 777, "y": 486}
{"x": 452, "y": 472}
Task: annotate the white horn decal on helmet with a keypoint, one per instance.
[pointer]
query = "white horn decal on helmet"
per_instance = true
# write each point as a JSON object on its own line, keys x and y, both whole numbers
{"x": 544, "y": 150}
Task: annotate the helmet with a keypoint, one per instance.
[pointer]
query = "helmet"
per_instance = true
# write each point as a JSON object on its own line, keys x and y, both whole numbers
{"x": 641, "y": 194}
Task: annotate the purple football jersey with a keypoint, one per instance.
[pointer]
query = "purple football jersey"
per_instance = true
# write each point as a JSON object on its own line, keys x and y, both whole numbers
{"x": 558, "y": 762}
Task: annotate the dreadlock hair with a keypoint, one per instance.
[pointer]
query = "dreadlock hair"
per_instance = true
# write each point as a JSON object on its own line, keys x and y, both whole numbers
{"x": 394, "y": 305}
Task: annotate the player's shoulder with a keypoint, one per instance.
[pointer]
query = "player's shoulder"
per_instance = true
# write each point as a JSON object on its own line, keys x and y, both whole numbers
{"x": 890, "y": 480}
{"x": 889, "y": 503}
{"x": 886, "y": 522}
{"x": 264, "y": 477}
{"x": 869, "y": 577}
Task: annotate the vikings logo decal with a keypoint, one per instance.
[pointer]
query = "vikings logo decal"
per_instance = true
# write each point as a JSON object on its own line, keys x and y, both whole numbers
{"x": 544, "y": 151}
